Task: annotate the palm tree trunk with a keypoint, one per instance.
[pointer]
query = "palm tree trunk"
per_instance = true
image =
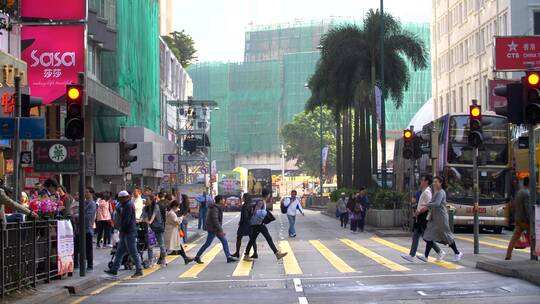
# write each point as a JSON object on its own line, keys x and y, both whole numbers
{"x": 359, "y": 158}
{"x": 363, "y": 151}
{"x": 347, "y": 149}
{"x": 374, "y": 150}
{"x": 339, "y": 150}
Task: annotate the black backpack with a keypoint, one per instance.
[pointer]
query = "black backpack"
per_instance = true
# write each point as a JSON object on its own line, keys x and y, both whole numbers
{"x": 283, "y": 207}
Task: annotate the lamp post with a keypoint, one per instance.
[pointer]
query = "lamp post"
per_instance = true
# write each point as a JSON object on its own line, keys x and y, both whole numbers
{"x": 321, "y": 151}
{"x": 383, "y": 125}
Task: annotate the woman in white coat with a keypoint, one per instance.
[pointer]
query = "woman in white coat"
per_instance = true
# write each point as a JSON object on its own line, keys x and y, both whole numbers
{"x": 172, "y": 238}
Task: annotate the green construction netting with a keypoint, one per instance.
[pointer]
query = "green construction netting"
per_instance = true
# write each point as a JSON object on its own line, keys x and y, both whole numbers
{"x": 267, "y": 90}
{"x": 133, "y": 70}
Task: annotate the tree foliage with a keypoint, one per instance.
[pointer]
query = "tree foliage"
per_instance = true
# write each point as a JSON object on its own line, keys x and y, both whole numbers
{"x": 183, "y": 47}
{"x": 303, "y": 142}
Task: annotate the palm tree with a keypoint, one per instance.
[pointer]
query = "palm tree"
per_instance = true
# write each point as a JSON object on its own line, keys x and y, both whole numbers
{"x": 399, "y": 45}
{"x": 344, "y": 81}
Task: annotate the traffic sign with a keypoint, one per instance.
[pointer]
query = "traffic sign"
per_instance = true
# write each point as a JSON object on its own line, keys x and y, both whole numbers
{"x": 30, "y": 128}
{"x": 517, "y": 53}
{"x": 170, "y": 163}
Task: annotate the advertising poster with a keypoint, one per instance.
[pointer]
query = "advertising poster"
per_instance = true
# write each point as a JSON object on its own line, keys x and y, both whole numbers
{"x": 54, "y": 57}
{"x": 65, "y": 247}
{"x": 54, "y": 9}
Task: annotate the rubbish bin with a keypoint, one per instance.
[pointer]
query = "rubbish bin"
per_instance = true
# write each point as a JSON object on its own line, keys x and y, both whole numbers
{"x": 451, "y": 213}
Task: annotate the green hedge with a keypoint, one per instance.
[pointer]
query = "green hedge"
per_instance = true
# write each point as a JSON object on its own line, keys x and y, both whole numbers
{"x": 385, "y": 199}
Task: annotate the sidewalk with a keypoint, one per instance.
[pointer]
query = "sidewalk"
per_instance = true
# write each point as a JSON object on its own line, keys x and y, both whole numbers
{"x": 59, "y": 290}
{"x": 526, "y": 270}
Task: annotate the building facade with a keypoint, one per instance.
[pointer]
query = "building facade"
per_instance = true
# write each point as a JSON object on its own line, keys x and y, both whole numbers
{"x": 463, "y": 43}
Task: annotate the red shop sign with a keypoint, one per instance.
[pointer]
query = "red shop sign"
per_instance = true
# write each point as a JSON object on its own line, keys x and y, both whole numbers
{"x": 55, "y": 56}
{"x": 54, "y": 9}
{"x": 517, "y": 53}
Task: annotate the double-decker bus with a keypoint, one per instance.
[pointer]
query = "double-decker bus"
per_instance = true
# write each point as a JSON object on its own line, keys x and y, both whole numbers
{"x": 257, "y": 180}
{"x": 454, "y": 163}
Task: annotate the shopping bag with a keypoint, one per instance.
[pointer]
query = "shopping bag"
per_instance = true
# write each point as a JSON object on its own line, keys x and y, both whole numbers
{"x": 152, "y": 241}
{"x": 115, "y": 237}
{"x": 181, "y": 233}
{"x": 524, "y": 241}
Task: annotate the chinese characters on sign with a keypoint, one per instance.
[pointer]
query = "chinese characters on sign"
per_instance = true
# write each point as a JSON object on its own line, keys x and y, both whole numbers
{"x": 53, "y": 62}
{"x": 8, "y": 102}
{"x": 56, "y": 156}
{"x": 517, "y": 53}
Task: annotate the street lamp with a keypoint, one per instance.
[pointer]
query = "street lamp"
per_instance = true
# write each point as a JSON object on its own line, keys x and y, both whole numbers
{"x": 321, "y": 140}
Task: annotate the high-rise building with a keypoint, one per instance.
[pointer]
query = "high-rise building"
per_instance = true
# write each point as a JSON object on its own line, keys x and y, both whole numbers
{"x": 166, "y": 11}
{"x": 463, "y": 43}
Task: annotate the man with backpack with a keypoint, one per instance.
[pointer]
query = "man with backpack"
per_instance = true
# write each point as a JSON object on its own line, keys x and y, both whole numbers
{"x": 289, "y": 206}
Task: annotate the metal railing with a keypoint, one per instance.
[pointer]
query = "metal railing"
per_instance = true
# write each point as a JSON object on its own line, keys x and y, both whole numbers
{"x": 28, "y": 254}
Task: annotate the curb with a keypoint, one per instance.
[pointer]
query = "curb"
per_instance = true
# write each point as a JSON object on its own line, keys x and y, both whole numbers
{"x": 513, "y": 270}
{"x": 392, "y": 233}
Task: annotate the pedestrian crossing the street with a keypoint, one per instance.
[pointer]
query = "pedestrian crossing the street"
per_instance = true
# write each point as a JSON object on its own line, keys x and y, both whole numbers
{"x": 341, "y": 256}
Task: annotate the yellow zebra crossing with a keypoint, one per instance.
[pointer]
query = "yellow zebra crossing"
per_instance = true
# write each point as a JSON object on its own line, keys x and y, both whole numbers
{"x": 374, "y": 256}
{"x": 471, "y": 240}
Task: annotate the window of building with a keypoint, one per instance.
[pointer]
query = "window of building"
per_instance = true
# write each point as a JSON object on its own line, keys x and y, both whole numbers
{"x": 536, "y": 22}
{"x": 454, "y": 102}
{"x": 468, "y": 92}
{"x": 504, "y": 24}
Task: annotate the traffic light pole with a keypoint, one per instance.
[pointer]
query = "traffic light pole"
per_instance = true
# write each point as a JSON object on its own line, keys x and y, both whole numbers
{"x": 532, "y": 187}
{"x": 476, "y": 199}
{"x": 82, "y": 186}
{"x": 16, "y": 142}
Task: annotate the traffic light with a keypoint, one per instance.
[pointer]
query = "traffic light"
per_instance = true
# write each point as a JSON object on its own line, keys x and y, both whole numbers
{"x": 531, "y": 94}
{"x": 476, "y": 136}
{"x": 28, "y": 102}
{"x": 74, "y": 128}
{"x": 190, "y": 144}
{"x": 408, "y": 147}
{"x": 514, "y": 107}
{"x": 125, "y": 157}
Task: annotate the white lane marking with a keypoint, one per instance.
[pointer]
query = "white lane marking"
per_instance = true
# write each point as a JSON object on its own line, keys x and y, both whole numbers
{"x": 302, "y": 300}
{"x": 298, "y": 285}
{"x": 421, "y": 293}
{"x": 306, "y": 278}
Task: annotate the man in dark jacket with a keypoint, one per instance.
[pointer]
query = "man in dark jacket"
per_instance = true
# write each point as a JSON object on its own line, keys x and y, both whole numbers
{"x": 89, "y": 219}
{"x": 214, "y": 226}
{"x": 125, "y": 222}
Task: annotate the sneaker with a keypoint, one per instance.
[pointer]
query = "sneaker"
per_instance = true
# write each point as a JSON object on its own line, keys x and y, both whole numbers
{"x": 280, "y": 255}
{"x": 254, "y": 256}
{"x": 232, "y": 259}
{"x": 137, "y": 274}
{"x": 90, "y": 269}
{"x": 110, "y": 272}
{"x": 98, "y": 246}
{"x": 422, "y": 258}
{"x": 109, "y": 246}
{"x": 408, "y": 257}
{"x": 441, "y": 256}
{"x": 458, "y": 257}
{"x": 247, "y": 258}
{"x": 198, "y": 260}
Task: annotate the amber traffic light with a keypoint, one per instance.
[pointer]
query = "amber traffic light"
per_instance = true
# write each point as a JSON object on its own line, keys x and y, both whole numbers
{"x": 74, "y": 128}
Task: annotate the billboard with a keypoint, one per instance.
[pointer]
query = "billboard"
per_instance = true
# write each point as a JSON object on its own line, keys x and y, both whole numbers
{"x": 54, "y": 56}
{"x": 54, "y": 9}
{"x": 517, "y": 53}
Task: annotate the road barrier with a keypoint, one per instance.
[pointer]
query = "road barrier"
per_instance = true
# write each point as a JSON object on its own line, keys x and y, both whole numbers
{"x": 28, "y": 255}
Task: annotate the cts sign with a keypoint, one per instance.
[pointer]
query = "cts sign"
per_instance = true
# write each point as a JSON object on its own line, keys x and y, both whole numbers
{"x": 55, "y": 56}
{"x": 517, "y": 53}
{"x": 54, "y": 9}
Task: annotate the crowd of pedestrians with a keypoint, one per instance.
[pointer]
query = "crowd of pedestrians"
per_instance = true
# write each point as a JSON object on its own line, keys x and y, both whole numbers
{"x": 353, "y": 209}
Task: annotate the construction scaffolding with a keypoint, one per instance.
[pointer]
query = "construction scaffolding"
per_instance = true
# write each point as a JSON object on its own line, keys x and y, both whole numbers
{"x": 257, "y": 97}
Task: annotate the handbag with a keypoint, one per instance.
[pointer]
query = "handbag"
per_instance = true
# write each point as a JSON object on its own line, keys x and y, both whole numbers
{"x": 268, "y": 218}
{"x": 181, "y": 233}
{"x": 524, "y": 241}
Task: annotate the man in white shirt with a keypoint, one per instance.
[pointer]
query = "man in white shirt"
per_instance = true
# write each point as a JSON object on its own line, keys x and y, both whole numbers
{"x": 138, "y": 202}
{"x": 292, "y": 203}
{"x": 420, "y": 221}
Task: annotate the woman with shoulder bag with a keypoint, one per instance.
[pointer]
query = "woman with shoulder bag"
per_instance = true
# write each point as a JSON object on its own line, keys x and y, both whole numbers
{"x": 438, "y": 228}
{"x": 152, "y": 216}
{"x": 244, "y": 226}
{"x": 172, "y": 239}
{"x": 103, "y": 218}
{"x": 257, "y": 221}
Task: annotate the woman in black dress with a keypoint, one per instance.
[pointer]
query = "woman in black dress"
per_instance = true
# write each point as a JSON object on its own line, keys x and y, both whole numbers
{"x": 244, "y": 226}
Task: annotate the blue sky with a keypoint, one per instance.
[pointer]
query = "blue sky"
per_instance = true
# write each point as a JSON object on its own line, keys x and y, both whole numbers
{"x": 218, "y": 25}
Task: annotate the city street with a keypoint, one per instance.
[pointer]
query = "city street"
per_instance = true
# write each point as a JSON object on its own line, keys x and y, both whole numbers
{"x": 326, "y": 264}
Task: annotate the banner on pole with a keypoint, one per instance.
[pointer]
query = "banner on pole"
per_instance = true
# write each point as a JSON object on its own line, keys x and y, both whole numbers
{"x": 65, "y": 247}
{"x": 378, "y": 104}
